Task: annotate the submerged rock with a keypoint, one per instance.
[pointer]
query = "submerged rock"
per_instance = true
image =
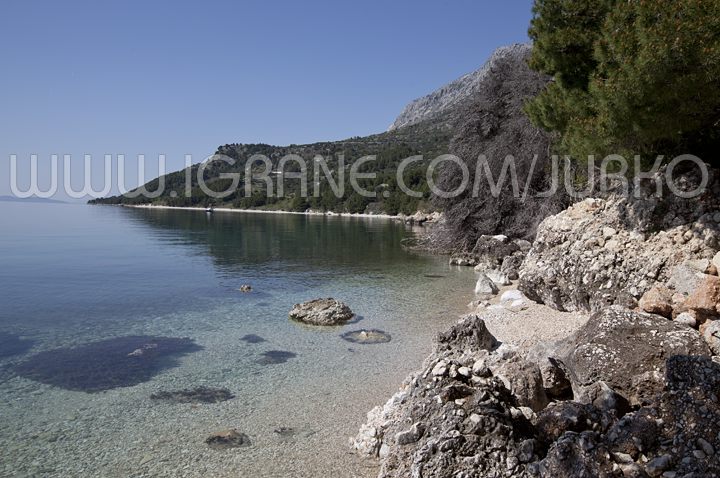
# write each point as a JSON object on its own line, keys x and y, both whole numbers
{"x": 222, "y": 440}
{"x": 285, "y": 432}
{"x": 321, "y": 312}
{"x": 195, "y": 395}
{"x": 273, "y": 357}
{"x": 363, "y": 336}
{"x": 252, "y": 339}
{"x": 107, "y": 364}
{"x": 245, "y": 288}
{"x": 11, "y": 344}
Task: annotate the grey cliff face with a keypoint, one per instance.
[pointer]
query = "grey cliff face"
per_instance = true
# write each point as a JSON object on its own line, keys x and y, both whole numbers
{"x": 454, "y": 93}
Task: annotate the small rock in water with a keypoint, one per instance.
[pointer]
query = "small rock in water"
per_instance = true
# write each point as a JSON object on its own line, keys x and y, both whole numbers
{"x": 252, "y": 339}
{"x": 245, "y": 288}
{"x": 273, "y": 357}
{"x": 195, "y": 395}
{"x": 225, "y": 439}
{"x": 363, "y": 336}
{"x": 321, "y": 312}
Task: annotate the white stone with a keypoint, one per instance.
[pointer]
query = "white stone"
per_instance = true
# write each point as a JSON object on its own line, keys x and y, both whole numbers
{"x": 608, "y": 232}
{"x": 384, "y": 450}
{"x": 499, "y": 278}
{"x": 611, "y": 245}
{"x": 716, "y": 261}
{"x": 440, "y": 368}
{"x": 700, "y": 265}
{"x": 479, "y": 366}
{"x": 512, "y": 295}
{"x": 485, "y": 286}
{"x": 464, "y": 371}
{"x": 686, "y": 318}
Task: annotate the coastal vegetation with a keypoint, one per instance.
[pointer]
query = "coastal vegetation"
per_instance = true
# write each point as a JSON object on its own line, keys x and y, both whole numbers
{"x": 630, "y": 77}
{"x": 429, "y": 139}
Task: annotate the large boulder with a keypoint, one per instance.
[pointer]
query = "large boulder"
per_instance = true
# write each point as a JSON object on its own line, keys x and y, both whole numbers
{"x": 321, "y": 312}
{"x": 626, "y": 350}
{"x": 657, "y": 300}
{"x": 706, "y": 298}
{"x": 487, "y": 254}
{"x": 491, "y": 251}
{"x": 601, "y": 252}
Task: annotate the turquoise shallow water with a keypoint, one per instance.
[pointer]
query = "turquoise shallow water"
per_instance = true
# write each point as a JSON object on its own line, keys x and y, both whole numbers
{"x": 72, "y": 275}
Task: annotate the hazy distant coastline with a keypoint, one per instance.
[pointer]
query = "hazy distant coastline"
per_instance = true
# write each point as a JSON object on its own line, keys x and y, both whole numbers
{"x": 30, "y": 199}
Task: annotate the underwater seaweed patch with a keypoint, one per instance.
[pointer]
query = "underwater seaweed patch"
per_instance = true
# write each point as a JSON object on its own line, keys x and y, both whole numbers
{"x": 252, "y": 339}
{"x": 195, "y": 395}
{"x": 273, "y": 357}
{"x": 11, "y": 344}
{"x": 106, "y": 364}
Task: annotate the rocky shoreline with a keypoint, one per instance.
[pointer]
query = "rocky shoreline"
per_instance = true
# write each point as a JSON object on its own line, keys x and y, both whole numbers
{"x": 419, "y": 217}
{"x": 627, "y": 389}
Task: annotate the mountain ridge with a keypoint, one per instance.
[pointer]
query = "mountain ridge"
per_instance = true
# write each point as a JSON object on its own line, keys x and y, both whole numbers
{"x": 453, "y": 94}
{"x": 425, "y": 127}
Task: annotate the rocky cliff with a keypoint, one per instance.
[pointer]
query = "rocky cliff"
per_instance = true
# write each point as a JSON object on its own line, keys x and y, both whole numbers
{"x": 455, "y": 93}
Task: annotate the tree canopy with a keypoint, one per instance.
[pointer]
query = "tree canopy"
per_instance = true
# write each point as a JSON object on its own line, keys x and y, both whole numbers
{"x": 630, "y": 76}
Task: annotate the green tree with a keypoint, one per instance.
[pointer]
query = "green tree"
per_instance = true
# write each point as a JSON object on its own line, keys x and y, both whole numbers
{"x": 631, "y": 76}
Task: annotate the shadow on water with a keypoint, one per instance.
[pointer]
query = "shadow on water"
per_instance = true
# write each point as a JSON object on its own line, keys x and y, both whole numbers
{"x": 11, "y": 344}
{"x": 107, "y": 364}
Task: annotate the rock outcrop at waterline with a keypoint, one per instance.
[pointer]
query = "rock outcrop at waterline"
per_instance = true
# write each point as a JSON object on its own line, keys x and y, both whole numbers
{"x": 478, "y": 408}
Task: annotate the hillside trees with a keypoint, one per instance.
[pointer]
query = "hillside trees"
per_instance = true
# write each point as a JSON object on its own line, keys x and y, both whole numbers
{"x": 630, "y": 77}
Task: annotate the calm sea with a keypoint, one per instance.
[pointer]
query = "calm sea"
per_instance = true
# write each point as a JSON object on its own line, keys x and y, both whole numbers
{"x": 73, "y": 275}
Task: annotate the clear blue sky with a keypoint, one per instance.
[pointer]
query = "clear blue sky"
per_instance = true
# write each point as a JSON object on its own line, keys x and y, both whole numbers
{"x": 180, "y": 77}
